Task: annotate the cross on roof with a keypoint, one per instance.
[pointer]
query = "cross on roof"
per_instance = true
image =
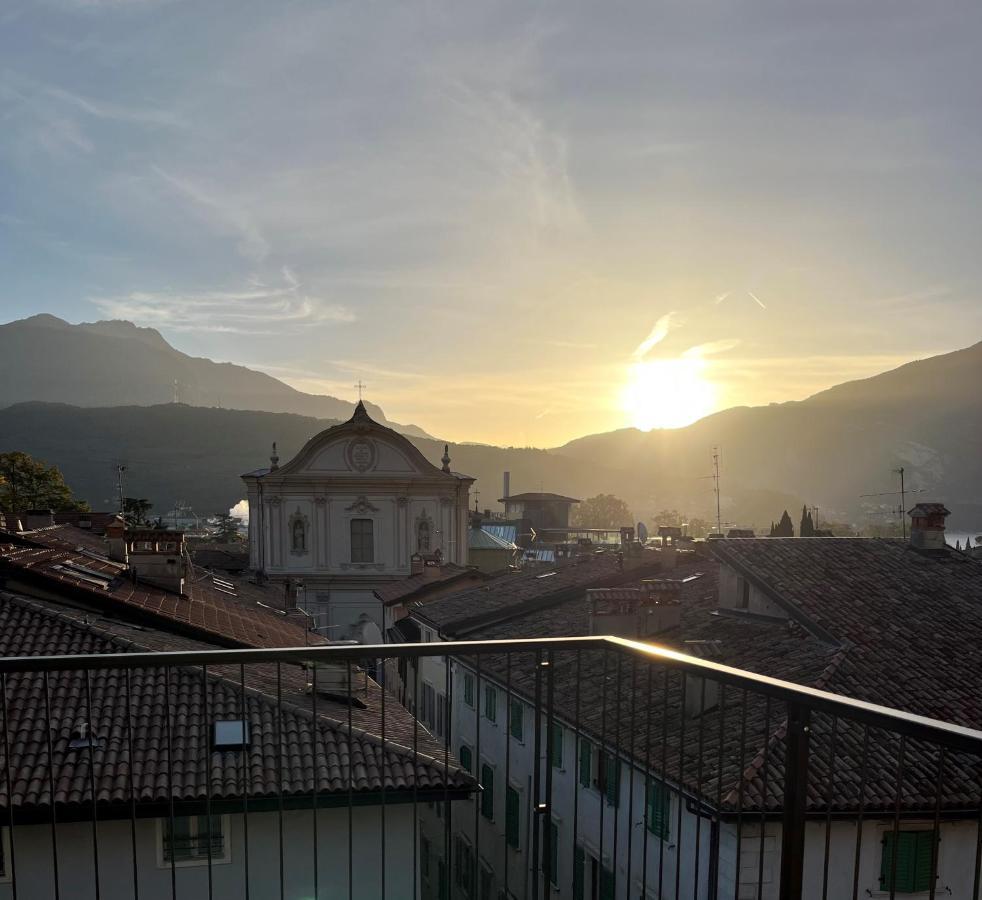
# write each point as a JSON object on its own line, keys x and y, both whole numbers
{"x": 360, "y": 387}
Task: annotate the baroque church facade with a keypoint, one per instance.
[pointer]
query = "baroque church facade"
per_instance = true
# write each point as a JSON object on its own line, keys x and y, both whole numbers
{"x": 357, "y": 507}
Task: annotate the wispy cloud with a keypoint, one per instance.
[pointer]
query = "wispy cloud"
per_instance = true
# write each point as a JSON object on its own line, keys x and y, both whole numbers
{"x": 225, "y": 214}
{"x": 254, "y": 310}
{"x": 932, "y": 292}
{"x": 142, "y": 115}
{"x": 657, "y": 334}
{"x": 712, "y": 347}
{"x": 756, "y": 299}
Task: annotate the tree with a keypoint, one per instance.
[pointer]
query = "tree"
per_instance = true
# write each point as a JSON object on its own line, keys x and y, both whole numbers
{"x": 602, "y": 511}
{"x": 228, "y": 527}
{"x": 784, "y": 528}
{"x": 135, "y": 511}
{"x": 807, "y": 527}
{"x": 27, "y": 483}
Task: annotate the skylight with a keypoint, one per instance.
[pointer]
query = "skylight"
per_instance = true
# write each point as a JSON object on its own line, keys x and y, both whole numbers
{"x": 230, "y": 734}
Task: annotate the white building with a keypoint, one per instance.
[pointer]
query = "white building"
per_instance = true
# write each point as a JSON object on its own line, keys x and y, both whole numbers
{"x": 349, "y": 513}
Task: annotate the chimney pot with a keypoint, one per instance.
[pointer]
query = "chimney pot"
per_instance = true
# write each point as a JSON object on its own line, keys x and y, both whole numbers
{"x": 927, "y": 526}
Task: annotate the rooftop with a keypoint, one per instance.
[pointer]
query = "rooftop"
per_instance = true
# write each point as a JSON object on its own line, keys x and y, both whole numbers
{"x": 538, "y": 497}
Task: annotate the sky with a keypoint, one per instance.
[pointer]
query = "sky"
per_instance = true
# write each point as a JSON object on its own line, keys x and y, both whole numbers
{"x": 515, "y": 222}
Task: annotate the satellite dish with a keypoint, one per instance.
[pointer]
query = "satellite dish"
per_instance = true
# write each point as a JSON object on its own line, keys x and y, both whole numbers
{"x": 642, "y": 532}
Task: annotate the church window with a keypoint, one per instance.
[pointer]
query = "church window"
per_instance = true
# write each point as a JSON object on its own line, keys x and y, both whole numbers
{"x": 362, "y": 541}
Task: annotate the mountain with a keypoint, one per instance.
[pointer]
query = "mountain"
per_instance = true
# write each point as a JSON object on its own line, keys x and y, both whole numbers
{"x": 115, "y": 363}
{"x": 830, "y": 448}
{"x": 827, "y": 451}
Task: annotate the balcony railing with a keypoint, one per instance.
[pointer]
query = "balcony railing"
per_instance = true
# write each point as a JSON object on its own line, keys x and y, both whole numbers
{"x": 581, "y": 767}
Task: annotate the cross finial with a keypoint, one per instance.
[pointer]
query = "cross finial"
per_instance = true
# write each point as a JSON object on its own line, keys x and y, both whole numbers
{"x": 360, "y": 387}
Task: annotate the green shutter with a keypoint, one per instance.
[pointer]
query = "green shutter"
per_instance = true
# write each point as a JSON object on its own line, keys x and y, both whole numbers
{"x": 606, "y": 884}
{"x": 579, "y": 860}
{"x": 469, "y": 689}
{"x": 612, "y": 779}
{"x": 490, "y": 704}
{"x": 901, "y": 878}
{"x": 557, "y": 745}
{"x": 487, "y": 794}
{"x": 442, "y": 891}
{"x": 658, "y": 804}
{"x": 516, "y": 719}
{"x": 923, "y": 857}
{"x": 512, "y": 817}
{"x": 586, "y": 762}
{"x": 466, "y": 758}
{"x": 554, "y": 853}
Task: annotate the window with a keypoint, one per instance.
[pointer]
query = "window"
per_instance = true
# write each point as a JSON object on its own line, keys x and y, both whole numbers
{"x": 464, "y": 866}
{"x": 486, "y": 886}
{"x": 516, "y": 719}
{"x": 469, "y": 689}
{"x": 913, "y": 850}
{"x": 466, "y": 758}
{"x": 428, "y": 705}
{"x": 609, "y": 775}
{"x": 586, "y": 763}
{"x": 362, "y": 541}
{"x": 4, "y": 854}
{"x": 443, "y": 891}
{"x": 487, "y": 792}
{"x": 441, "y": 715}
{"x": 743, "y": 586}
{"x": 424, "y": 858}
{"x": 553, "y": 861}
{"x": 557, "y": 745}
{"x": 512, "y": 817}
{"x": 657, "y": 805}
{"x": 192, "y": 840}
{"x": 490, "y": 703}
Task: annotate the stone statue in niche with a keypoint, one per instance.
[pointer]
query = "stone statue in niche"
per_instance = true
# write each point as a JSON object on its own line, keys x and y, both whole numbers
{"x": 298, "y": 533}
{"x": 424, "y": 533}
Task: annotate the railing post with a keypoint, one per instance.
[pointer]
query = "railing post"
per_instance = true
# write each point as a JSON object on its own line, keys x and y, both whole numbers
{"x": 795, "y": 798}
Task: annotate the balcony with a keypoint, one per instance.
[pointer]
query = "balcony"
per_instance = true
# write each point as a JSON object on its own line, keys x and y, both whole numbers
{"x": 583, "y": 768}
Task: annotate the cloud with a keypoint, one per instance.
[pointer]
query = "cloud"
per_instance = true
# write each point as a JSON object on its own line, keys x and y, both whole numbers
{"x": 227, "y": 215}
{"x": 143, "y": 115}
{"x": 712, "y": 347}
{"x": 254, "y": 310}
{"x": 657, "y": 334}
{"x": 932, "y": 292}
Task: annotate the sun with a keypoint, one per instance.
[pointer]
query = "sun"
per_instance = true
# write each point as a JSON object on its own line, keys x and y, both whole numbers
{"x": 667, "y": 393}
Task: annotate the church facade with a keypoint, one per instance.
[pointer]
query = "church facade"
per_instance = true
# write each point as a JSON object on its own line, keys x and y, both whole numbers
{"x": 357, "y": 507}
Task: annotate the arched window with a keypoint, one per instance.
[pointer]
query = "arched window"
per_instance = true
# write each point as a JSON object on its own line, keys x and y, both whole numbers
{"x": 423, "y": 533}
{"x": 362, "y": 541}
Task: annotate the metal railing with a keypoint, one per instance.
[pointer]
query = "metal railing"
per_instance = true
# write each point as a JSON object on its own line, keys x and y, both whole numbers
{"x": 574, "y": 767}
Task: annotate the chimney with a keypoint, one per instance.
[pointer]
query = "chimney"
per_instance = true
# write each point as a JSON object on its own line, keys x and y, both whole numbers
{"x": 927, "y": 526}
{"x": 416, "y": 564}
{"x": 38, "y": 518}
{"x": 116, "y": 536}
{"x": 506, "y": 487}
{"x": 157, "y": 557}
{"x": 636, "y": 613}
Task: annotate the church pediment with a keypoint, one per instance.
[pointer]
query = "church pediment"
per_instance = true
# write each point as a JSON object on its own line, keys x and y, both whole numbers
{"x": 360, "y": 448}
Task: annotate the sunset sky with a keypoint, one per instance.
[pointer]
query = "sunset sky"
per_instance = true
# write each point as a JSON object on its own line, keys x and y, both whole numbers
{"x": 517, "y": 223}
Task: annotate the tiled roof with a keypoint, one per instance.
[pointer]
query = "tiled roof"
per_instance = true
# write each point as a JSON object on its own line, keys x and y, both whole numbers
{"x": 432, "y": 578}
{"x": 205, "y": 610}
{"x": 62, "y": 537}
{"x": 460, "y": 613}
{"x": 172, "y": 757}
{"x": 720, "y": 755}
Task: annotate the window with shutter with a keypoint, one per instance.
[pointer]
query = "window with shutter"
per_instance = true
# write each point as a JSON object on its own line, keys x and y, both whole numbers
{"x": 579, "y": 861}
{"x": 606, "y": 884}
{"x": 466, "y": 758}
{"x": 553, "y": 861}
{"x": 657, "y": 809}
{"x": 487, "y": 794}
{"x": 469, "y": 689}
{"x": 911, "y": 871}
{"x": 611, "y": 773}
{"x": 557, "y": 745}
{"x": 516, "y": 720}
{"x": 490, "y": 703}
{"x": 512, "y": 817}
{"x": 586, "y": 763}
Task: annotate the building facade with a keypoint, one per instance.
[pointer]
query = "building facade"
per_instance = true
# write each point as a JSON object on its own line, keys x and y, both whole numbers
{"x": 349, "y": 513}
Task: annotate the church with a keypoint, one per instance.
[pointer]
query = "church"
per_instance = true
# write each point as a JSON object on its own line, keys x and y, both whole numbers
{"x": 357, "y": 507}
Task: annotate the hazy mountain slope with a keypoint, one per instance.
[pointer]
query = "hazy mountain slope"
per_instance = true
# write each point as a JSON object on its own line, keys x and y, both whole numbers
{"x": 834, "y": 446}
{"x": 116, "y": 363}
{"x": 174, "y": 451}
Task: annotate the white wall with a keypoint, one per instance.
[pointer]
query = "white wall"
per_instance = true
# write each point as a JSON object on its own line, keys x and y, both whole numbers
{"x": 35, "y": 876}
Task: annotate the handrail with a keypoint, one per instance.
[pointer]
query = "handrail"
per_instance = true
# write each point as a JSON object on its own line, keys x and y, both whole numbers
{"x": 910, "y": 725}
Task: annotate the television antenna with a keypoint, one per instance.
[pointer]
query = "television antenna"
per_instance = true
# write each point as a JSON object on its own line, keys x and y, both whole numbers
{"x": 902, "y": 493}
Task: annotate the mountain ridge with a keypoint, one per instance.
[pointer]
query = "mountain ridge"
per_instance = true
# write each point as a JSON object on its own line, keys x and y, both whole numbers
{"x": 115, "y": 362}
